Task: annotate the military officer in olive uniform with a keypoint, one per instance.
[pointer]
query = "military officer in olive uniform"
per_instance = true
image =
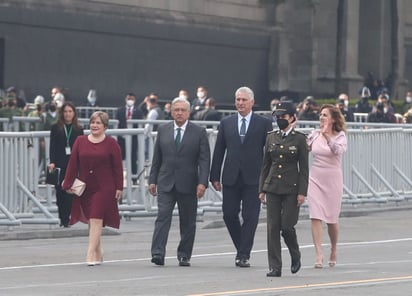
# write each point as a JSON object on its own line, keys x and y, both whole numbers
{"x": 283, "y": 185}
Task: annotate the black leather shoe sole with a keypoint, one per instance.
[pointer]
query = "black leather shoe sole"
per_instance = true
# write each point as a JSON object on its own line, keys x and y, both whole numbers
{"x": 158, "y": 260}
{"x": 274, "y": 273}
{"x": 243, "y": 263}
{"x": 184, "y": 262}
{"x": 294, "y": 268}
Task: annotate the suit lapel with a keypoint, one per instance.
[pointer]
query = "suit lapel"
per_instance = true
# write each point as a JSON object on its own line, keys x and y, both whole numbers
{"x": 185, "y": 136}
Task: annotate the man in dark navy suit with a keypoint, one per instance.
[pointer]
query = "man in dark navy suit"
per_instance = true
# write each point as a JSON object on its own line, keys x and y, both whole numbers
{"x": 241, "y": 138}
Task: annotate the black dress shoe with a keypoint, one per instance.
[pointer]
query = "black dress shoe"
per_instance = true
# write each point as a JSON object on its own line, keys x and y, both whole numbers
{"x": 244, "y": 263}
{"x": 274, "y": 273}
{"x": 158, "y": 260}
{"x": 294, "y": 268}
{"x": 184, "y": 261}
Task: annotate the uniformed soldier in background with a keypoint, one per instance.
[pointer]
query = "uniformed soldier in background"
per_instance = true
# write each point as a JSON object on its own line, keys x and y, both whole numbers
{"x": 283, "y": 185}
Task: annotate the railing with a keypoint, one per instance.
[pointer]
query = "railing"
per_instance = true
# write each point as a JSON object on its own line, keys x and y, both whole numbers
{"x": 376, "y": 169}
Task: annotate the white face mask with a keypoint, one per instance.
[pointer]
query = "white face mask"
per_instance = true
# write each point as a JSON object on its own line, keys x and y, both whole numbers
{"x": 183, "y": 97}
{"x": 130, "y": 103}
{"x": 200, "y": 94}
{"x": 91, "y": 100}
{"x": 59, "y": 103}
{"x": 346, "y": 103}
{"x": 408, "y": 99}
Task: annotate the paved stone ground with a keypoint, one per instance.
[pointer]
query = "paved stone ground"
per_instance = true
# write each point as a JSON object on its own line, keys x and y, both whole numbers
{"x": 374, "y": 257}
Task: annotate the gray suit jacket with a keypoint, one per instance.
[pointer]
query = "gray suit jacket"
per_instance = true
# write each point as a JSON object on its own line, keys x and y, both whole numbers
{"x": 183, "y": 168}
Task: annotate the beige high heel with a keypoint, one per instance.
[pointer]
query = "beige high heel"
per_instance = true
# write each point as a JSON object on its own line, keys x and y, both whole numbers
{"x": 319, "y": 265}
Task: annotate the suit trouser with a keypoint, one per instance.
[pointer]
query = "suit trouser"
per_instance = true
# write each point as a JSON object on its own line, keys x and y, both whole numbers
{"x": 282, "y": 216}
{"x": 187, "y": 205}
{"x": 64, "y": 205}
{"x": 236, "y": 198}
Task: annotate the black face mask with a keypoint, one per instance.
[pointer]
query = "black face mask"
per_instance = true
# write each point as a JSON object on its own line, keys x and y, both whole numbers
{"x": 282, "y": 123}
{"x": 52, "y": 108}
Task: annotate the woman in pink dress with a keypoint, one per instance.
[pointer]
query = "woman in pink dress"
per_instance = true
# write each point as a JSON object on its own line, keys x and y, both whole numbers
{"x": 325, "y": 179}
{"x": 96, "y": 160}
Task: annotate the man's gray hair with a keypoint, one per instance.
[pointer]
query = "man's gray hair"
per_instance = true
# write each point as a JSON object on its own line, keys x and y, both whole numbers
{"x": 246, "y": 90}
{"x": 181, "y": 100}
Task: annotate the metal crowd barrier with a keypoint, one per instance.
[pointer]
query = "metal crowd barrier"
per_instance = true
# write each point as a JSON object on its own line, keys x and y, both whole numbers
{"x": 86, "y": 112}
{"x": 376, "y": 169}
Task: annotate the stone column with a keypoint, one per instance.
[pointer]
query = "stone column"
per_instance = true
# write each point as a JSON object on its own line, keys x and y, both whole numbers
{"x": 350, "y": 75}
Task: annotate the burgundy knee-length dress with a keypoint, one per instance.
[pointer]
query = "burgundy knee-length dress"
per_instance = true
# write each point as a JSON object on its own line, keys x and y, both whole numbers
{"x": 99, "y": 165}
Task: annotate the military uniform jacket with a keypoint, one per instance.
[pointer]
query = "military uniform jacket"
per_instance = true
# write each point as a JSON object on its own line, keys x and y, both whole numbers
{"x": 285, "y": 164}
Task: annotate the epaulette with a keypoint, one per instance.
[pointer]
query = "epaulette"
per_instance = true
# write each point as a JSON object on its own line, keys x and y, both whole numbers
{"x": 299, "y": 132}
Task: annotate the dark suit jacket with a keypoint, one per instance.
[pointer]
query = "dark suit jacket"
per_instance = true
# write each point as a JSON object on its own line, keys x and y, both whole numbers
{"x": 121, "y": 115}
{"x": 208, "y": 115}
{"x": 185, "y": 167}
{"x": 58, "y": 146}
{"x": 245, "y": 158}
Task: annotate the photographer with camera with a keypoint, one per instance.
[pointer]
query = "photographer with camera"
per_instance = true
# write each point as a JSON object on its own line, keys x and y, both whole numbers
{"x": 381, "y": 113}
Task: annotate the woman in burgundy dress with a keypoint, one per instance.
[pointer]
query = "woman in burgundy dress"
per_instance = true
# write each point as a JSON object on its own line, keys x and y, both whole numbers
{"x": 325, "y": 179}
{"x": 96, "y": 160}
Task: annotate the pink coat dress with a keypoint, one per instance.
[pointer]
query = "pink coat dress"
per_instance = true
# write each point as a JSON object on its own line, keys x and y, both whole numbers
{"x": 325, "y": 177}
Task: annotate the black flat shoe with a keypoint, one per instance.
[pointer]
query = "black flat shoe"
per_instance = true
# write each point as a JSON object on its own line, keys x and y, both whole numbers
{"x": 274, "y": 273}
{"x": 158, "y": 260}
{"x": 184, "y": 261}
{"x": 296, "y": 264}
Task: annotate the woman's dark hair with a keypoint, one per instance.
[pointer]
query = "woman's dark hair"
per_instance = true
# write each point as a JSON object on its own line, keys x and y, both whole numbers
{"x": 60, "y": 119}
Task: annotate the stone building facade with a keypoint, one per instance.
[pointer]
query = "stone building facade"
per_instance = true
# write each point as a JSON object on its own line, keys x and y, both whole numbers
{"x": 142, "y": 46}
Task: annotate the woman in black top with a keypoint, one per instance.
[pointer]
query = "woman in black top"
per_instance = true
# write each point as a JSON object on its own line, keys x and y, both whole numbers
{"x": 62, "y": 137}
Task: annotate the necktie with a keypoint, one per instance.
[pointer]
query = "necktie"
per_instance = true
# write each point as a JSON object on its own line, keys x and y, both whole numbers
{"x": 129, "y": 113}
{"x": 243, "y": 130}
{"x": 178, "y": 138}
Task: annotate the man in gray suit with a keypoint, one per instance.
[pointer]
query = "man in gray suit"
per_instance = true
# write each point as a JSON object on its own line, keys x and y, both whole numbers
{"x": 179, "y": 173}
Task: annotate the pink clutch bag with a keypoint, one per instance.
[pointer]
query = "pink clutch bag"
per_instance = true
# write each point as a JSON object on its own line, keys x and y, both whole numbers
{"x": 78, "y": 187}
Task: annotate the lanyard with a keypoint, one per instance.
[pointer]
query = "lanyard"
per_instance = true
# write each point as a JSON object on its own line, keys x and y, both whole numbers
{"x": 68, "y": 134}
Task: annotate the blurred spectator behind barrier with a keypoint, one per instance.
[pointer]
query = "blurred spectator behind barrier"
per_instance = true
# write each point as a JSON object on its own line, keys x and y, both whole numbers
{"x": 90, "y": 101}
{"x": 347, "y": 114}
{"x": 209, "y": 113}
{"x": 363, "y": 106}
{"x": 167, "y": 109}
{"x": 199, "y": 102}
{"x": 36, "y": 110}
{"x": 384, "y": 99}
{"x": 11, "y": 93}
{"x": 408, "y": 102}
{"x": 183, "y": 94}
{"x": 381, "y": 113}
{"x": 155, "y": 113}
{"x": 10, "y": 109}
{"x": 129, "y": 111}
{"x": 309, "y": 110}
{"x": 49, "y": 117}
{"x": 407, "y": 116}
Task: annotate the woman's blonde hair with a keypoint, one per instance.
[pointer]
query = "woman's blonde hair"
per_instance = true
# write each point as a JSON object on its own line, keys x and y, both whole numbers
{"x": 104, "y": 117}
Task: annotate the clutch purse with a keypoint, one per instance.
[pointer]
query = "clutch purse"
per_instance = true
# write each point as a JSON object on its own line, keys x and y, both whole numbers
{"x": 53, "y": 177}
{"x": 78, "y": 187}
